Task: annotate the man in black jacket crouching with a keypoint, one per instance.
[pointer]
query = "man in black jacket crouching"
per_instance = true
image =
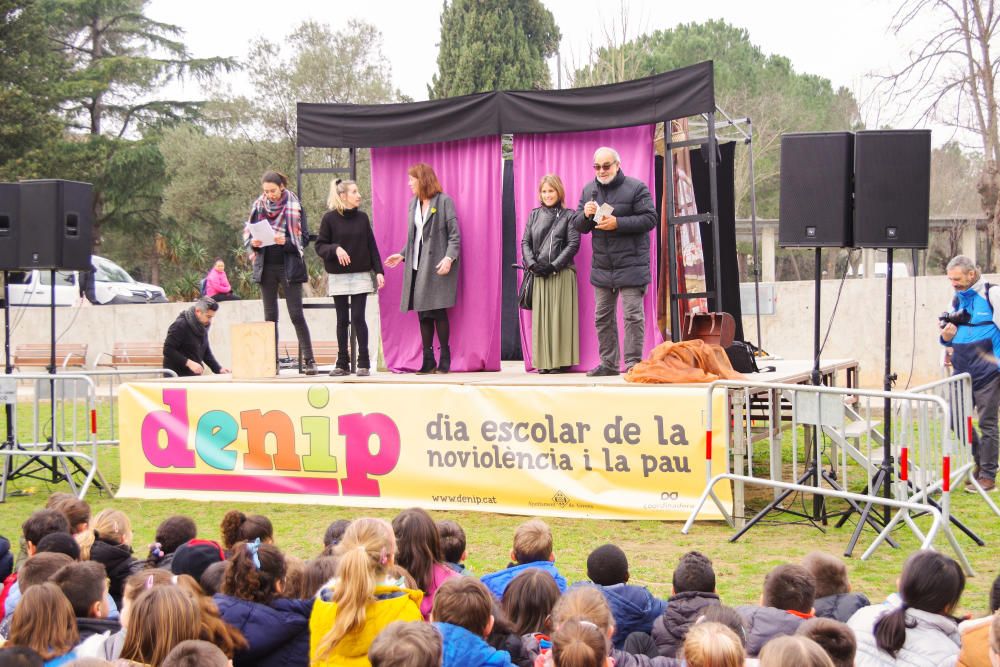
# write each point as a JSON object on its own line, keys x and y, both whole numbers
{"x": 186, "y": 350}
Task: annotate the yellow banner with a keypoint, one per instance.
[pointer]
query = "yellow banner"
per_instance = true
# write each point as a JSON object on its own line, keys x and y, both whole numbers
{"x": 595, "y": 452}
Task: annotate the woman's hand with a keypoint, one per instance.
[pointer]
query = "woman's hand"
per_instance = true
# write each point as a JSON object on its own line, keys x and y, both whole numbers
{"x": 444, "y": 266}
{"x": 392, "y": 261}
{"x": 342, "y": 256}
{"x": 379, "y": 280}
{"x": 256, "y": 243}
{"x": 279, "y": 239}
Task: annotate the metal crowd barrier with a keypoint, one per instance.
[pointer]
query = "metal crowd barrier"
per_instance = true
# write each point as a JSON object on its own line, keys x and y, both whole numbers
{"x": 844, "y": 425}
{"x": 106, "y": 384}
{"x": 62, "y": 441}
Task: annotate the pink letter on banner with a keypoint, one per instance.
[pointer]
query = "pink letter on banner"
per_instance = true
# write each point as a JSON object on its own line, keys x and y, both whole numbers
{"x": 174, "y": 421}
{"x": 570, "y": 155}
{"x": 358, "y": 429}
{"x": 471, "y": 173}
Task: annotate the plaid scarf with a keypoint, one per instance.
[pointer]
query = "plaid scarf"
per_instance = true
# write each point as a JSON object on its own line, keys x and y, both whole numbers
{"x": 284, "y": 216}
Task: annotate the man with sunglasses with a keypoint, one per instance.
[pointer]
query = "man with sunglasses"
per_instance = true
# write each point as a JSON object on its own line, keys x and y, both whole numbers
{"x": 620, "y": 258}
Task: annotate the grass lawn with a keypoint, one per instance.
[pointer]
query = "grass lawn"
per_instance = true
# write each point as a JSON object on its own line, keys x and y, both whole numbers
{"x": 653, "y": 547}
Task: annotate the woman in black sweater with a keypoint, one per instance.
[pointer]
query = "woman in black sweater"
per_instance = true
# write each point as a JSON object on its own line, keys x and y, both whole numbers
{"x": 346, "y": 243}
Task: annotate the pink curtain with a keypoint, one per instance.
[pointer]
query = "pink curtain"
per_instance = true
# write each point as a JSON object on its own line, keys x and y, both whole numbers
{"x": 471, "y": 172}
{"x": 570, "y": 156}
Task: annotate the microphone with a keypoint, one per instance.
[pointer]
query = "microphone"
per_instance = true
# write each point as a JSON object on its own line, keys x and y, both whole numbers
{"x": 593, "y": 198}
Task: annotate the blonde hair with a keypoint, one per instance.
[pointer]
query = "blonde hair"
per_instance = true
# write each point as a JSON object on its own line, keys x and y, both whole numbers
{"x": 335, "y": 200}
{"x": 532, "y": 542}
{"x": 555, "y": 183}
{"x": 161, "y": 618}
{"x": 366, "y": 550}
{"x": 579, "y": 644}
{"x": 403, "y": 644}
{"x": 112, "y": 525}
{"x": 586, "y": 603}
{"x": 44, "y": 622}
{"x": 794, "y": 650}
{"x": 709, "y": 644}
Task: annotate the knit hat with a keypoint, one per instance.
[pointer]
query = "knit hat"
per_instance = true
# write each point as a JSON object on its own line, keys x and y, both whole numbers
{"x": 607, "y": 565}
{"x": 194, "y": 556}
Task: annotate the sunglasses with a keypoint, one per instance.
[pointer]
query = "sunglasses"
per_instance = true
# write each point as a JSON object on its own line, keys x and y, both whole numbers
{"x": 605, "y": 166}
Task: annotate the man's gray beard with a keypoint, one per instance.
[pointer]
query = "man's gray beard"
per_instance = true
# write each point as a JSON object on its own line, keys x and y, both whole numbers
{"x": 604, "y": 180}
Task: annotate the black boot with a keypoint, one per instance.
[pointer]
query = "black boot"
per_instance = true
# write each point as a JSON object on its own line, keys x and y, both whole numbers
{"x": 428, "y": 365}
{"x": 444, "y": 364}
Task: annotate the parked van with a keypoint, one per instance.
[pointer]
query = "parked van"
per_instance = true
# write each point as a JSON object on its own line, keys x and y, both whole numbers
{"x": 112, "y": 285}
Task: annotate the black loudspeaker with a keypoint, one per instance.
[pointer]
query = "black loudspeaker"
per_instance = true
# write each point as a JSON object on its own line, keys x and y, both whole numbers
{"x": 10, "y": 198}
{"x": 60, "y": 217}
{"x": 815, "y": 201}
{"x": 892, "y": 172}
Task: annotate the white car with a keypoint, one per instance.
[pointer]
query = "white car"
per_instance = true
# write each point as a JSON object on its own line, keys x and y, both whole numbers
{"x": 112, "y": 285}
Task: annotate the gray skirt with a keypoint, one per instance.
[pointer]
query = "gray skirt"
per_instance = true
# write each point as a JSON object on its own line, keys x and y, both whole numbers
{"x": 344, "y": 284}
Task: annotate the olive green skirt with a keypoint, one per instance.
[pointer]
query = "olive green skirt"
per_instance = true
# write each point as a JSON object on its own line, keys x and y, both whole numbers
{"x": 555, "y": 321}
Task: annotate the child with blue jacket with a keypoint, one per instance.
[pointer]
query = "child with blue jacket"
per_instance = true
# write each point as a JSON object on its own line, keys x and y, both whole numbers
{"x": 463, "y": 614}
{"x": 532, "y": 548}
{"x": 633, "y": 607}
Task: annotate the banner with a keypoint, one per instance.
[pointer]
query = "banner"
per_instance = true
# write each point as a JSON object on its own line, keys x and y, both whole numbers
{"x": 632, "y": 452}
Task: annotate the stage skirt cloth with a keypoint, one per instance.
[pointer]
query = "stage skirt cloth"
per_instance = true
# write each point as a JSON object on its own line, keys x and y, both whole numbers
{"x": 342, "y": 284}
{"x": 555, "y": 322}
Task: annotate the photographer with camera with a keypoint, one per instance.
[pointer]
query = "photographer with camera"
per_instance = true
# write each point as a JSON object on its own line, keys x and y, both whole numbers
{"x": 972, "y": 330}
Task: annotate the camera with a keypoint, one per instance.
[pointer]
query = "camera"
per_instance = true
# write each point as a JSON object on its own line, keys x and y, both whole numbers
{"x": 958, "y": 317}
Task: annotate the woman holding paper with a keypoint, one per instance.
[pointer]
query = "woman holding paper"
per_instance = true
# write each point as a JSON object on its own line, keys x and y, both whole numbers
{"x": 431, "y": 252}
{"x": 277, "y": 235}
{"x": 548, "y": 247}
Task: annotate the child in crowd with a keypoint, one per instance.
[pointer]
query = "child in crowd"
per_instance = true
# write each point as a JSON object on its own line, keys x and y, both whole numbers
{"x": 922, "y": 630}
{"x": 360, "y": 602}
{"x": 709, "y": 644}
{"x": 196, "y": 653}
{"x": 580, "y": 644}
{"x": 975, "y": 633}
{"x": 528, "y": 603}
{"x": 463, "y": 615}
{"x": 317, "y": 572}
{"x": 693, "y": 592}
{"x": 418, "y": 549}
{"x": 276, "y": 628}
{"x": 59, "y": 543}
{"x": 195, "y": 556}
{"x": 634, "y": 607}
{"x": 213, "y": 628}
{"x": 787, "y": 601}
{"x": 211, "y": 578}
{"x": 295, "y": 569}
{"x": 160, "y": 619}
{"x": 453, "y": 545}
{"x": 76, "y": 511}
{"x": 834, "y": 598}
{"x": 834, "y": 637}
{"x": 238, "y": 527}
{"x": 334, "y": 533}
{"x": 728, "y": 617}
{"x": 85, "y": 585}
{"x": 532, "y": 549}
{"x": 134, "y": 586}
{"x": 112, "y": 548}
{"x": 793, "y": 651}
{"x": 406, "y": 645}
{"x": 44, "y": 622}
{"x": 20, "y": 656}
{"x": 170, "y": 534}
{"x": 36, "y": 570}
{"x": 35, "y": 527}
{"x": 6, "y": 560}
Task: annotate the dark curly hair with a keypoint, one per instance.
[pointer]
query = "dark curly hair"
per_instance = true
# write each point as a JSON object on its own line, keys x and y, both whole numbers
{"x": 237, "y": 526}
{"x": 245, "y": 581}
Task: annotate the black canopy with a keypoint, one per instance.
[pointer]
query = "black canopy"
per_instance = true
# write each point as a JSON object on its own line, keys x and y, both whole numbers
{"x": 675, "y": 94}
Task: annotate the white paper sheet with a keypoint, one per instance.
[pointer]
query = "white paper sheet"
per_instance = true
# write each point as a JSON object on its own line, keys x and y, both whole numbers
{"x": 262, "y": 232}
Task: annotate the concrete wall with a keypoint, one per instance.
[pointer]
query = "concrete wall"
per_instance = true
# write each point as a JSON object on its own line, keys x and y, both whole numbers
{"x": 858, "y": 330}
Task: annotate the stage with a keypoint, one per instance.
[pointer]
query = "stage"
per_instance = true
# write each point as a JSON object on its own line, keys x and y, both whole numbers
{"x": 509, "y": 441}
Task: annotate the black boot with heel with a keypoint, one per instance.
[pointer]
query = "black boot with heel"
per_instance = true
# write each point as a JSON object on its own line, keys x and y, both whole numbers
{"x": 428, "y": 366}
{"x": 444, "y": 364}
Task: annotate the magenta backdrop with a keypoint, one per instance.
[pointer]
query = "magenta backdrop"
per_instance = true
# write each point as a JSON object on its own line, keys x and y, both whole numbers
{"x": 471, "y": 172}
{"x": 570, "y": 156}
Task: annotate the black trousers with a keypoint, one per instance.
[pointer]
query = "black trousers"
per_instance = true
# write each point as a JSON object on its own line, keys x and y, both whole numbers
{"x": 272, "y": 276}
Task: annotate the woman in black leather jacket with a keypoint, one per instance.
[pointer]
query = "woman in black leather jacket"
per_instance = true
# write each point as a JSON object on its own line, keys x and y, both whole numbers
{"x": 549, "y": 244}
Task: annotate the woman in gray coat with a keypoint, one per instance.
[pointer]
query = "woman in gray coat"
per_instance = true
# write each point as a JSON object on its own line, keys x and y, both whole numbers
{"x": 431, "y": 252}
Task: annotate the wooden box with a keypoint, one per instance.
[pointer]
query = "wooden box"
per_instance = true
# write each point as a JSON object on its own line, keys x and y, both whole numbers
{"x": 253, "y": 350}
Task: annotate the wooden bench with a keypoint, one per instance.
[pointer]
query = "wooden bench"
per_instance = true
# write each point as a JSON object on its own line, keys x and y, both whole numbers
{"x": 324, "y": 351}
{"x": 133, "y": 354}
{"x": 68, "y": 355}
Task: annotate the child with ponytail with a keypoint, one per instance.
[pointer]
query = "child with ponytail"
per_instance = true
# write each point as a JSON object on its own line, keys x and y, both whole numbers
{"x": 419, "y": 551}
{"x": 237, "y": 527}
{"x": 580, "y": 644}
{"x": 362, "y": 600}
{"x": 276, "y": 628}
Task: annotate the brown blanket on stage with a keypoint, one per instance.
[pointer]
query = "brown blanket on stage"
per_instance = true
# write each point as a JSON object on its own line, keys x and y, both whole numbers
{"x": 687, "y": 361}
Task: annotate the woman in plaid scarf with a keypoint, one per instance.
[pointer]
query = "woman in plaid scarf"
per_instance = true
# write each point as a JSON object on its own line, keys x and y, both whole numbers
{"x": 282, "y": 263}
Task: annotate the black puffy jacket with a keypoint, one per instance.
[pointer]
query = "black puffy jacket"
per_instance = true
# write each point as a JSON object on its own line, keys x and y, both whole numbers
{"x": 620, "y": 257}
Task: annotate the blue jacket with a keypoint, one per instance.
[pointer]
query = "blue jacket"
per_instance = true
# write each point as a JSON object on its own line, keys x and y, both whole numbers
{"x": 976, "y": 345}
{"x": 278, "y": 633}
{"x": 6, "y": 558}
{"x": 634, "y": 608}
{"x": 498, "y": 582}
{"x": 464, "y": 649}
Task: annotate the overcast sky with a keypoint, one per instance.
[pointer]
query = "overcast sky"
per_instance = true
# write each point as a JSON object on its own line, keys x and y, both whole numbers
{"x": 843, "y": 41}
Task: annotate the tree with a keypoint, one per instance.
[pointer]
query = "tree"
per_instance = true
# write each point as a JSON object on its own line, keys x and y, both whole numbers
{"x": 494, "y": 45}
{"x": 951, "y": 78}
